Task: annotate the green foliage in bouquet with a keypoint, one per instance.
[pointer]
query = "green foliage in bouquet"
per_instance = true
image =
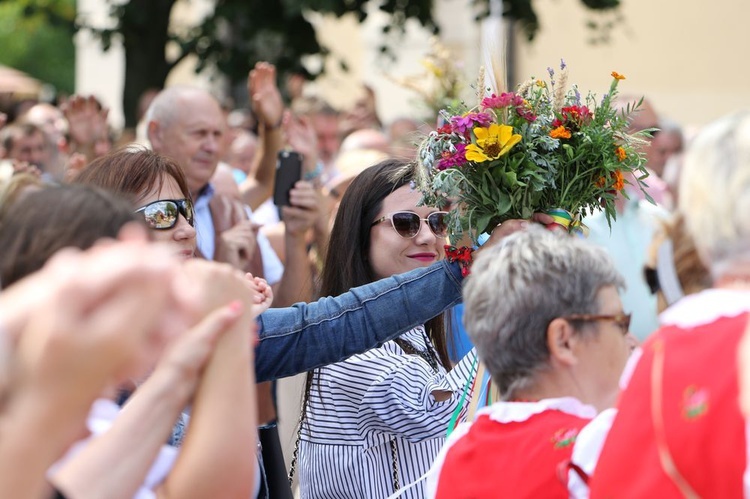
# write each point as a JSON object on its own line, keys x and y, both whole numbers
{"x": 540, "y": 148}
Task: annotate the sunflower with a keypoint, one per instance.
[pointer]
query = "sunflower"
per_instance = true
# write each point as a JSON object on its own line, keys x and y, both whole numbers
{"x": 492, "y": 142}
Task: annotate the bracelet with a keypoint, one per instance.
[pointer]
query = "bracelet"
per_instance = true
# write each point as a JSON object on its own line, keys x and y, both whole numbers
{"x": 317, "y": 172}
{"x": 463, "y": 255}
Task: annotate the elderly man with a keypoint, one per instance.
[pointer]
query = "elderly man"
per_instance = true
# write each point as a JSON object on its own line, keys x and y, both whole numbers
{"x": 187, "y": 124}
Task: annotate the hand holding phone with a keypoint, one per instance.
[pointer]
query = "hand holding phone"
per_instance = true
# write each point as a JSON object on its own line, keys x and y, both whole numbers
{"x": 288, "y": 172}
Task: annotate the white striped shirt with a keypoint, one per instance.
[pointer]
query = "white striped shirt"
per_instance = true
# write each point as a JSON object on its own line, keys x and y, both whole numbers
{"x": 356, "y": 407}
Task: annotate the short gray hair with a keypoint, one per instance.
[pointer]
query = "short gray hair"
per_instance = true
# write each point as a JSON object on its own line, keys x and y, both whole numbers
{"x": 715, "y": 191}
{"x": 518, "y": 287}
{"x": 164, "y": 108}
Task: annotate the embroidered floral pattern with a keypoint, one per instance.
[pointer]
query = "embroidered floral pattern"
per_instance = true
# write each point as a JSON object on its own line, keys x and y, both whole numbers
{"x": 564, "y": 437}
{"x": 694, "y": 402}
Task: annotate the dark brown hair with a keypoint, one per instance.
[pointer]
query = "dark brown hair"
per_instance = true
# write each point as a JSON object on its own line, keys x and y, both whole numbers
{"x": 132, "y": 172}
{"x": 349, "y": 265}
{"x": 43, "y": 222}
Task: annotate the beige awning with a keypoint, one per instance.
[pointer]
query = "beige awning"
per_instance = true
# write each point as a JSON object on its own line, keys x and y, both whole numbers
{"x": 18, "y": 83}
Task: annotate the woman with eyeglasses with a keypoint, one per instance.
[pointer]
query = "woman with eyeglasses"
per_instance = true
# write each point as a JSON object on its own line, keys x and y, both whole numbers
{"x": 374, "y": 422}
{"x": 156, "y": 185}
{"x": 545, "y": 315}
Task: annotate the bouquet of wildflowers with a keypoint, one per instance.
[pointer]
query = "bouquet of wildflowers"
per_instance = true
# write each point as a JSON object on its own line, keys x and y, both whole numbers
{"x": 542, "y": 148}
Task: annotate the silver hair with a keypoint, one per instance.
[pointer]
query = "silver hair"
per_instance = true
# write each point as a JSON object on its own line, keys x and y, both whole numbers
{"x": 518, "y": 287}
{"x": 164, "y": 108}
{"x": 715, "y": 192}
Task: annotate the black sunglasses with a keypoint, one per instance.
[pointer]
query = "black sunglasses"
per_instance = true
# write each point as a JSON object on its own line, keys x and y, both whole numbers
{"x": 408, "y": 224}
{"x": 163, "y": 214}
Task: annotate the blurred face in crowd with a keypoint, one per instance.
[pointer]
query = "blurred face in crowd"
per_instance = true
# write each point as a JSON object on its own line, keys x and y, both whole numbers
{"x": 29, "y": 148}
{"x": 666, "y": 144}
{"x": 390, "y": 253}
{"x": 242, "y": 152}
{"x": 193, "y": 137}
{"x": 182, "y": 234}
{"x": 327, "y": 130}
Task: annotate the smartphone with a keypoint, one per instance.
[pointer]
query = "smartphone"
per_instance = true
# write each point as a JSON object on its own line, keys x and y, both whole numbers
{"x": 288, "y": 172}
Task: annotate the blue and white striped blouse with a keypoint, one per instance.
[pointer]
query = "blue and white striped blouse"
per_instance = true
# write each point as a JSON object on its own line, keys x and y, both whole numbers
{"x": 357, "y": 407}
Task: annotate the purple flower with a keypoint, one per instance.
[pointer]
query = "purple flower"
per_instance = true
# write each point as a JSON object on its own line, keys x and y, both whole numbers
{"x": 449, "y": 160}
{"x": 562, "y": 64}
{"x": 463, "y": 124}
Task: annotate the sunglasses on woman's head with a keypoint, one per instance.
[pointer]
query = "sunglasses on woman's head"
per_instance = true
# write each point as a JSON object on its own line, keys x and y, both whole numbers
{"x": 163, "y": 214}
{"x": 408, "y": 224}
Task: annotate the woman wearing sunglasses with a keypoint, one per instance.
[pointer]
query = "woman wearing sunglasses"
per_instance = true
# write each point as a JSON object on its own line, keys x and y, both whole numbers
{"x": 156, "y": 185}
{"x": 374, "y": 423}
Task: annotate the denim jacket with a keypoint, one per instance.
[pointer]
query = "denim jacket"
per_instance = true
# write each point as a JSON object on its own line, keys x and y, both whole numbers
{"x": 305, "y": 336}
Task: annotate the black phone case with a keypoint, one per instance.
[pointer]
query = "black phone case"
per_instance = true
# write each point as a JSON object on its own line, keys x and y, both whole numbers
{"x": 288, "y": 172}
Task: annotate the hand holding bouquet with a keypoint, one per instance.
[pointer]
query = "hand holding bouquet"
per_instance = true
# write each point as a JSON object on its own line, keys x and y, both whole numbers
{"x": 542, "y": 148}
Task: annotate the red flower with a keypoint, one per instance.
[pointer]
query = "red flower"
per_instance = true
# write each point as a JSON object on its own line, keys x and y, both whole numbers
{"x": 446, "y": 129}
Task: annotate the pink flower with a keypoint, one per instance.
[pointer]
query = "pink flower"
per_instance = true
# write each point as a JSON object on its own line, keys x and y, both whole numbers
{"x": 526, "y": 114}
{"x": 449, "y": 160}
{"x": 505, "y": 99}
{"x": 463, "y": 124}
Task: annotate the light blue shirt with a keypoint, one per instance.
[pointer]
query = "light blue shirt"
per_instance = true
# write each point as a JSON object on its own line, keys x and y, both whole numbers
{"x": 627, "y": 243}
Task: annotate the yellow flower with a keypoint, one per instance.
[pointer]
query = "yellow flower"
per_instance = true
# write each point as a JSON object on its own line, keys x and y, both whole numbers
{"x": 560, "y": 133}
{"x": 541, "y": 84}
{"x": 620, "y": 153}
{"x": 432, "y": 68}
{"x": 617, "y": 76}
{"x": 492, "y": 142}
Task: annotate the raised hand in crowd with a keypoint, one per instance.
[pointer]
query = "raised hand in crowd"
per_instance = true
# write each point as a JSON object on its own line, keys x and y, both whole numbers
{"x": 75, "y": 163}
{"x": 301, "y": 137}
{"x": 126, "y": 451}
{"x": 265, "y": 95}
{"x": 269, "y": 108}
{"x": 238, "y": 244}
{"x": 102, "y": 321}
{"x": 87, "y": 123}
{"x": 216, "y": 459}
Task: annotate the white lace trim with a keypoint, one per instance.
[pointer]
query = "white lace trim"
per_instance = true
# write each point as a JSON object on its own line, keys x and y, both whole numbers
{"x": 516, "y": 412}
{"x": 705, "y": 307}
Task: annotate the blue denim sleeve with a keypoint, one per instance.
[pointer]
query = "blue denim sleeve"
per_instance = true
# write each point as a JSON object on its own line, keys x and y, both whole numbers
{"x": 305, "y": 336}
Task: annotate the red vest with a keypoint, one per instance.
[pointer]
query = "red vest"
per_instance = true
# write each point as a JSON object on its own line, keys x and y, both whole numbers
{"x": 695, "y": 371}
{"x": 518, "y": 460}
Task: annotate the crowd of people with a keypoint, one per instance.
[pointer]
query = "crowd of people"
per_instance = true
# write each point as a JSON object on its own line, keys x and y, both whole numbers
{"x": 152, "y": 294}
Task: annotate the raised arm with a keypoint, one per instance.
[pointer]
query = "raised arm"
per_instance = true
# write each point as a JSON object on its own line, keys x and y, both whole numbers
{"x": 306, "y": 336}
{"x": 217, "y": 458}
{"x": 268, "y": 106}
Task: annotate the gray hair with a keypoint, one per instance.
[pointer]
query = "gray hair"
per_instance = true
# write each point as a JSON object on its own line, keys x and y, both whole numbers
{"x": 518, "y": 287}
{"x": 166, "y": 106}
{"x": 715, "y": 192}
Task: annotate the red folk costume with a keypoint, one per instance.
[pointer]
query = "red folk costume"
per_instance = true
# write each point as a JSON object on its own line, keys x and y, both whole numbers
{"x": 679, "y": 431}
{"x": 512, "y": 449}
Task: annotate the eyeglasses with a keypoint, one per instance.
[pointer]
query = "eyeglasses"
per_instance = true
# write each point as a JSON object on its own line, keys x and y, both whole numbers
{"x": 408, "y": 224}
{"x": 622, "y": 320}
{"x": 163, "y": 214}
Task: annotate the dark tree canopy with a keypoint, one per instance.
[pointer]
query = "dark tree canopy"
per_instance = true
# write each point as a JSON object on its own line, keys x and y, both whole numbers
{"x": 241, "y": 32}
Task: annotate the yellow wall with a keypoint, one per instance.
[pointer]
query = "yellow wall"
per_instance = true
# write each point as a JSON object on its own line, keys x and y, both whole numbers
{"x": 686, "y": 56}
